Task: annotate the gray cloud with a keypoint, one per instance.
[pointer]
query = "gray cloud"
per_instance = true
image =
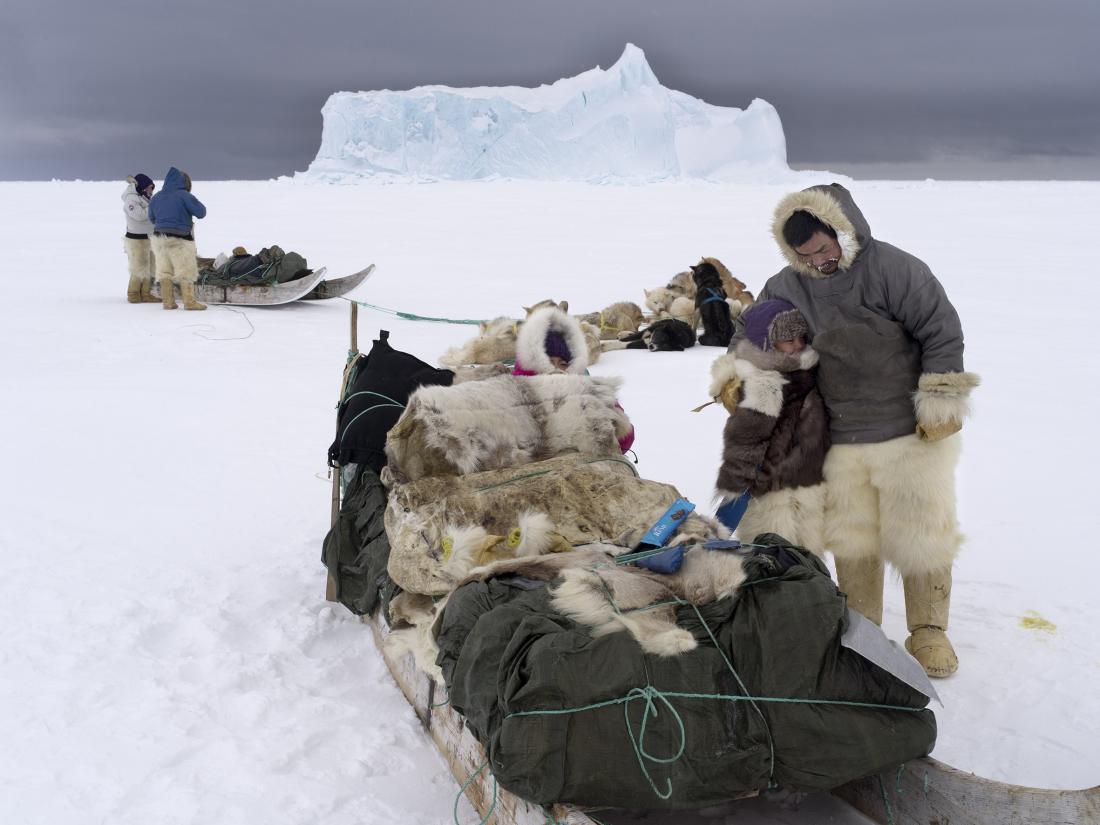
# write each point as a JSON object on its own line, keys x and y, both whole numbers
{"x": 234, "y": 90}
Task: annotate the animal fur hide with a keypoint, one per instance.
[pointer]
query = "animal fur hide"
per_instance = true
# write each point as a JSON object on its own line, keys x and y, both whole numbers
{"x": 504, "y": 422}
{"x": 586, "y": 499}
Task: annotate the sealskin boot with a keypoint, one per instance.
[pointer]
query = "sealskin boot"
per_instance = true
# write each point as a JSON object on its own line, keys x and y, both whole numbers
{"x": 147, "y": 292}
{"x": 133, "y": 290}
{"x": 168, "y": 294}
{"x": 927, "y": 603}
{"x": 861, "y": 580}
{"x": 187, "y": 289}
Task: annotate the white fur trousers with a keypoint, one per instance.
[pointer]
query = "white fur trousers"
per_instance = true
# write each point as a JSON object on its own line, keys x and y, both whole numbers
{"x": 896, "y": 500}
{"x": 175, "y": 259}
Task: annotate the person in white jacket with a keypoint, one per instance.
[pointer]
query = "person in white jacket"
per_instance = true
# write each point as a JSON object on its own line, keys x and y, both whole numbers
{"x": 139, "y": 253}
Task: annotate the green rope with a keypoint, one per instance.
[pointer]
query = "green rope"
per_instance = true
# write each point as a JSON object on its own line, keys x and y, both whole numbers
{"x": 409, "y": 316}
{"x": 466, "y": 784}
{"x": 647, "y": 693}
{"x": 364, "y": 412}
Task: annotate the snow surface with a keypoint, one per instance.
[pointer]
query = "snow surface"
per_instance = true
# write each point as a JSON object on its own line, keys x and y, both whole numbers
{"x": 166, "y": 653}
{"x": 615, "y": 125}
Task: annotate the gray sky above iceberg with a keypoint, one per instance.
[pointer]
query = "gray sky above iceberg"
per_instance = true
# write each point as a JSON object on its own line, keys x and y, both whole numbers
{"x": 234, "y": 90}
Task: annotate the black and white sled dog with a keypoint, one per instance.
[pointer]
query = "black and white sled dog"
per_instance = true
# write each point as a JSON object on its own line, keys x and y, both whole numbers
{"x": 711, "y": 306}
{"x": 666, "y": 335}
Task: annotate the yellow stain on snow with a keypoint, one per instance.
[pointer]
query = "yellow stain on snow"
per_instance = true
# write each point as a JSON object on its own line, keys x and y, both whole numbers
{"x": 1033, "y": 621}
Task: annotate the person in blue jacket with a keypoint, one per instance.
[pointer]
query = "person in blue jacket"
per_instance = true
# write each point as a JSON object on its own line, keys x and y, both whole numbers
{"x": 172, "y": 212}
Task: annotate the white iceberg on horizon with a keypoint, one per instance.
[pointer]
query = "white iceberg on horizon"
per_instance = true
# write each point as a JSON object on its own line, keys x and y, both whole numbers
{"x": 613, "y": 125}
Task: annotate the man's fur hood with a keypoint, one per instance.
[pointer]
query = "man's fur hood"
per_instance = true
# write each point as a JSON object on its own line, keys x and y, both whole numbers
{"x": 531, "y": 342}
{"x": 831, "y": 204}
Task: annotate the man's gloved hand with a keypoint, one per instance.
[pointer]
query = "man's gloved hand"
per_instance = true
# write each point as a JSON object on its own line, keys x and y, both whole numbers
{"x": 938, "y": 431}
{"x": 941, "y": 402}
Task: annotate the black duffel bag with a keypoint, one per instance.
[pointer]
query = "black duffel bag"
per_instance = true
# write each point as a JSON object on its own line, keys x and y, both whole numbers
{"x": 384, "y": 379}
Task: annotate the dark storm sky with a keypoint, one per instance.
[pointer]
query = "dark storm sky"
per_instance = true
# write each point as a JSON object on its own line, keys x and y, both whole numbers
{"x": 233, "y": 89}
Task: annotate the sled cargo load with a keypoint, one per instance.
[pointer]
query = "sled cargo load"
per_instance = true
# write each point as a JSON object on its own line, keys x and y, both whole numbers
{"x": 550, "y": 709}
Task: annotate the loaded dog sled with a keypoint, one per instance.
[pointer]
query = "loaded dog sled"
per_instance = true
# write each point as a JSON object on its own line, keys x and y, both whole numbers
{"x": 554, "y": 696}
{"x": 303, "y": 284}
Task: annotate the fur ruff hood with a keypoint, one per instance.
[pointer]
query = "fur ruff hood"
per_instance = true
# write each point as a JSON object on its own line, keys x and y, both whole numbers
{"x": 833, "y": 205}
{"x": 531, "y": 342}
{"x": 775, "y": 360}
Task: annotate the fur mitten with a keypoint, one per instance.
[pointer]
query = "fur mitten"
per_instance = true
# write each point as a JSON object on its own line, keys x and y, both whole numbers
{"x": 942, "y": 401}
{"x": 725, "y": 382}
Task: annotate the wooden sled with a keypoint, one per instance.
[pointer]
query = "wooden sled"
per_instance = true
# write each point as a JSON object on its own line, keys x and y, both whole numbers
{"x": 336, "y": 287}
{"x": 920, "y": 792}
{"x": 255, "y": 294}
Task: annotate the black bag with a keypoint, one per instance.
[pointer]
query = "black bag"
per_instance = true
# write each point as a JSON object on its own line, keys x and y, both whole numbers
{"x": 384, "y": 380}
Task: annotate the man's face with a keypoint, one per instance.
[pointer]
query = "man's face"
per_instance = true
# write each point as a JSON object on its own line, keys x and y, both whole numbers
{"x": 821, "y": 251}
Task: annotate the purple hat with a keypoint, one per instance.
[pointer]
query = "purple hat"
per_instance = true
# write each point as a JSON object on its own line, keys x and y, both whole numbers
{"x": 143, "y": 182}
{"x": 556, "y": 347}
{"x": 773, "y": 320}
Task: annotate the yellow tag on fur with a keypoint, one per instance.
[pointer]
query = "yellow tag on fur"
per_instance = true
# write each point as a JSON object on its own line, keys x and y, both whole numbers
{"x": 515, "y": 536}
{"x": 448, "y": 547}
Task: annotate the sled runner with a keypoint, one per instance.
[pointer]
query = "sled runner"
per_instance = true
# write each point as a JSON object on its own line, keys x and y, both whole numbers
{"x": 926, "y": 790}
{"x": 336, "y": 287}
{"x": 255, "y": 294}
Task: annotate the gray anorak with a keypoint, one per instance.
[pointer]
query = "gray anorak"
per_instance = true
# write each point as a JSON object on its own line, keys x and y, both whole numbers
{"x": 878, "y": 323}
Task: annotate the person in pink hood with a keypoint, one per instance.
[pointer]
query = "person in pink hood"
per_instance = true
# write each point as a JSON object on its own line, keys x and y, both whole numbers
{"x": 551, "y": 341}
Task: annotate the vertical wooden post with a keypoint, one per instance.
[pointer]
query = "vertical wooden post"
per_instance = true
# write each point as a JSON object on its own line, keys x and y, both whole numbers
{"x": 332, "y": 587}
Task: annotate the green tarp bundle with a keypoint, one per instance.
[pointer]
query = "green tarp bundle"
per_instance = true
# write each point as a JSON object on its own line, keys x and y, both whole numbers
{"x": 566, "y": 717}
{"x": 271, "y": 265}
{"x": 358, "y": 548}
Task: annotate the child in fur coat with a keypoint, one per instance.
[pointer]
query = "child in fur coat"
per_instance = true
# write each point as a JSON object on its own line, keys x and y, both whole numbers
{"x": 550, "y": 341}
{"x": 775, "y": 441}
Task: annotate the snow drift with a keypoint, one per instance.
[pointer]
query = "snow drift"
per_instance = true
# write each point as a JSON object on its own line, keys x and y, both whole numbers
{"x": 614, "y": 125}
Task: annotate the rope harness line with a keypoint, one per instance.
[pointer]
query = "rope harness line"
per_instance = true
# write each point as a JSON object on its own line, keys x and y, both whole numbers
{"x": 410, "y": 316}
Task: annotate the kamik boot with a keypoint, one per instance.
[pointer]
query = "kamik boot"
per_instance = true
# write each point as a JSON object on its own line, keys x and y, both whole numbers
{"x": 147, "y": 292}
{"x": 187, "y": 289}
{"x": 168, "y": 294}
{"x": 927, "y": 603}
{"x": 861, "y": 580}
{"x": 133, "y": 290}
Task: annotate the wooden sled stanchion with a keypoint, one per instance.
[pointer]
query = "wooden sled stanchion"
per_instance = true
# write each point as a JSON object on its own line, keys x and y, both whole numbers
{"x": 332, "y": 586}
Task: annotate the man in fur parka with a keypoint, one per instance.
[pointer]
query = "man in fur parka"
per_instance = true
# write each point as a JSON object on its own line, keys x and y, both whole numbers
{"x": 891, "y": 374}
{"x": 774, "y": 442}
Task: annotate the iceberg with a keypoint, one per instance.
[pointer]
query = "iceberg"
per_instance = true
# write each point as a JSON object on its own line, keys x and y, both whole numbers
{"x": 613, "y": 125}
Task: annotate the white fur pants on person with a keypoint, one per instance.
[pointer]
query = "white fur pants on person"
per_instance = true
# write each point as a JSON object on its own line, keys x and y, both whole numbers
{"x": 139, "y": 257}
{"x": 895, "y": 500}
{"x": 797, "y": 514}
{"x": 175, "y": 259}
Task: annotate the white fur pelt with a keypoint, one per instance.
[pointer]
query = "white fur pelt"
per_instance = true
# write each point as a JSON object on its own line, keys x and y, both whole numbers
{"x": 494, "y": 343}
{"x": 894, "y": 499}
{"x": 511, "y": 420}
{"x": 797, "y": 514}
{"x": 609, "y": 598}
{"x": 413, "y": 617}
